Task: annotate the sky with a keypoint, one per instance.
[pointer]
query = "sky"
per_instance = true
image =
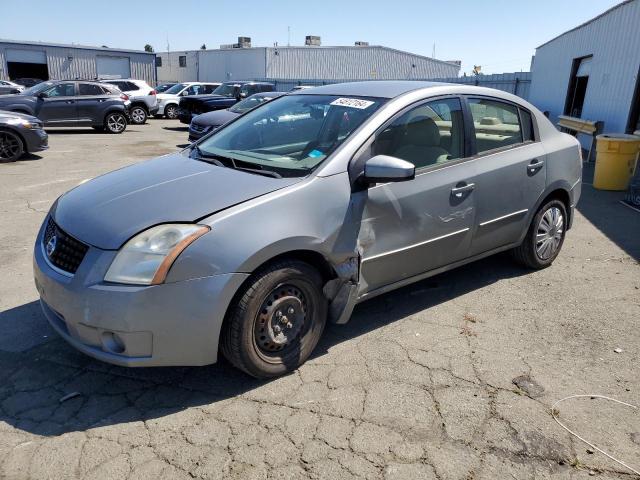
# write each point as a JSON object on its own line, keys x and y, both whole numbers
{"x": 499, "y": 35}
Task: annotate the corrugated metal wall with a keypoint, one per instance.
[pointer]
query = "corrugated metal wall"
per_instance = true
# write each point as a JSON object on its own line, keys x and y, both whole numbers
{"x": 236, "y": 64}
{"x": 171, "y": 71}
{"x": 614, "y": 42}
{"x": 518, "y": 83}
{"x": 66, "y": 63}
{"x": 353, "y": 63}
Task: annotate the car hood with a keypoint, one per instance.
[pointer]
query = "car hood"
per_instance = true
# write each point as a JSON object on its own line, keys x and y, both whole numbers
{"x": 219, "y": 117}
{"x": 106, "y": 211}
{"x": 6, "y": 115}
{"x": 13, "y": 97}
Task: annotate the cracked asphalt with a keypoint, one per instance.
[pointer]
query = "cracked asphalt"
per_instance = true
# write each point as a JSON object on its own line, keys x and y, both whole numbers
{"x": 419, "y": 385}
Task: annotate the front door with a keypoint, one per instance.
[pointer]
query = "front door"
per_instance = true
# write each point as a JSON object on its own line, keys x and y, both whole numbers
{"x": 412, "y": 227}
{"x": 58, "y": 105}
{"x": 90, "y": 100}
{"x": 511, "y": 172}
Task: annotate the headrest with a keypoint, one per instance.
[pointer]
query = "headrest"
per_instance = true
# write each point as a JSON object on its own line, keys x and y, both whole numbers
{"x": 422, "y": 131}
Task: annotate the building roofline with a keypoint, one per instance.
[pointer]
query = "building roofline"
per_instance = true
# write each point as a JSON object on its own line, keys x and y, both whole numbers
{"x": 319, "y": 47}
{"x": 81, "y": 47}
{"x": 606, "y": 12}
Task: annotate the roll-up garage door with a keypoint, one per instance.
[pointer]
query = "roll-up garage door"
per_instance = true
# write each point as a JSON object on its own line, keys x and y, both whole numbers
{"x": 113, "y": 67}
{"x": 26, "y": 56}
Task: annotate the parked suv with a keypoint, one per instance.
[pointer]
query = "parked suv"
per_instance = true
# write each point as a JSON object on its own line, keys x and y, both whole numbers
{"x": 142, "y": 96}
{"x": 225, "y": 96}
{"x": 70, "y": 103}
{"x": 7, "y": 87}
{"x": 168, "y": 101}
{"x": 251, "y": 240}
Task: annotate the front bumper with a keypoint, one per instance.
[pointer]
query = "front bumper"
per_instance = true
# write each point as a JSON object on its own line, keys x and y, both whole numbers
{"x": 35, "y": 139}
{"x": 173, "y": 324}
{"x": 154, "y": 110}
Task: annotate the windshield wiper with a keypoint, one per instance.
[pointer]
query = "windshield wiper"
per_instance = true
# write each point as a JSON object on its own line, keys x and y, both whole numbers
{"x": 217, "y": 160}
{"x": 208, "y": 158}
{"x": 266, "y": 173}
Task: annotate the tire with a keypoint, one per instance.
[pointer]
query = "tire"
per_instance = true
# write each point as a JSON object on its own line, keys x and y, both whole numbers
{"x": 545, "y": 236}
{"x": 282, "y": 300}
{"x": 115, "y": 122}
{"x": 138, "y": 115}
{"x": 171, "y": 111}
{"x": 11, "y": 146}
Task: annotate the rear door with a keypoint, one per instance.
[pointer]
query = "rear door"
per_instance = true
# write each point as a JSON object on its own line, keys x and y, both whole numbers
{"x": 91, "y": 101}
{"x": 58, "y": 106}
{"x": 511, "y": 171}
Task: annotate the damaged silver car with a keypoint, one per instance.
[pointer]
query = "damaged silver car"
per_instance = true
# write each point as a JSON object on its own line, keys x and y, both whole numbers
{"x": 251, "y": 239}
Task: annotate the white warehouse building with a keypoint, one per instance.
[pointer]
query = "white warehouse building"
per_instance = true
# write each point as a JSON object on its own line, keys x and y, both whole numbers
{"x": 49, "y": 61}
{"x": 593, "y": 71}
{"x": 312, "y": 62}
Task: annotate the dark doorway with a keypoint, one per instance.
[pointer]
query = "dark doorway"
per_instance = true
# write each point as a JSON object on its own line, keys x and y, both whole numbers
{"x": 577, "y": 86}
{"x": 633, "y": 123}
{"x": 27, "y": 70}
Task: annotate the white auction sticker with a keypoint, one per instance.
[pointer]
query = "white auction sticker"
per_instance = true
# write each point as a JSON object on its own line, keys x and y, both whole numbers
{"x": 352, "y": 102}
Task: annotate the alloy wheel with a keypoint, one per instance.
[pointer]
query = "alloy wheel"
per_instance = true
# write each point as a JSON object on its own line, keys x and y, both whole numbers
{"x": 549, "y": 233}
{"x": 10, "y": 146}
{"x": 116, "y": 123}
{"x": 171, "y": 112}
{"x": 138, "y": 115}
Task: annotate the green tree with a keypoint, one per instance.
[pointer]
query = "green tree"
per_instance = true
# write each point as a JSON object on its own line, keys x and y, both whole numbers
{"x": 203, "y": 46}
{"x": 148, "y": 48}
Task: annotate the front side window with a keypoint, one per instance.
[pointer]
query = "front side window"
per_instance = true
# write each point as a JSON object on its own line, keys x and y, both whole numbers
{"x": 248, "y": 103}
{"x": 226, "y": 90}
{"x": 496, "y": 124}
{"x": 291, "y": 135}
{"x": 182, "y": 61}
{"x": 90, "y": 89}
{"x": 429, "y": 134}
{"x": 177, "y": 88}
{"x": 62, "y": 90}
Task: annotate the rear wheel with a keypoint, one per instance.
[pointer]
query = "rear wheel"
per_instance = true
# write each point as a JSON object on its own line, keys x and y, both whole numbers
{"x": 545, "y": 236}
{"x": 11, "y": 147}
{"x": 138, "y": 115}
{"x": 171, "y": 111}
{"x": 115, "y": 122}
{"x": 277, "y": 321}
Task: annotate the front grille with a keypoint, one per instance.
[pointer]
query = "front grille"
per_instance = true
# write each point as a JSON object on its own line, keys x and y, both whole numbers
{"x": 63, "y": 251}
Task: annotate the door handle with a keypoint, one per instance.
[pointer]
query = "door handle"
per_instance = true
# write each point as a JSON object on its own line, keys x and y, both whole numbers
{"x": 461, "y": 190}
{"x": 535, "y": 165}
{"x": 70, "y": 101}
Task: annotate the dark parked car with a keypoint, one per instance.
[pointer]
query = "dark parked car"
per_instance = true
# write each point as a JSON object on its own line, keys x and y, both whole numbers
{"x": 225, "y": 96}
{"x": 207, "y": 122}
{"x": 20, "y": 134}
{"x": 66, "y": 103}
{"x": 28, "y": 82}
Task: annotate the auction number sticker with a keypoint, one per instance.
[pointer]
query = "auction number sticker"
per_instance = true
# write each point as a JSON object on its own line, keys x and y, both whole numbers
{"x": 352, "y": 102}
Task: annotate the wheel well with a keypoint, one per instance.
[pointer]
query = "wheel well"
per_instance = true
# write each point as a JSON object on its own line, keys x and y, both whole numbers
{"x": 311, "y": 257}
{"x": 17, "y": 134}
{"x": 563, "y": 196}
{"x": 141, "y": 104}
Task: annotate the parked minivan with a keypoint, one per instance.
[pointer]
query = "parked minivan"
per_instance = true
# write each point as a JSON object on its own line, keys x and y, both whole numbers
{"x": 169, "y": 99}
{"x": 250, "y": 240}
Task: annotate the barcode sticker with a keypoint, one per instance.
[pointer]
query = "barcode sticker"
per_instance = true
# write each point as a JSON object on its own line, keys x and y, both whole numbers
{"x": 352, "y": 102}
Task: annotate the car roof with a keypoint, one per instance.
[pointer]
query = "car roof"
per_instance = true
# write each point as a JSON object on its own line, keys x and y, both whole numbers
{"x": 373, "y": 88}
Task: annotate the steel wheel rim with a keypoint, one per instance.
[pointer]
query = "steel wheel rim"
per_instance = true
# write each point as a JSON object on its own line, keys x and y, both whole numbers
{"x": 116, "y": 123}
{"x": 9, "y": 145}
{"x": 137, "y": 114}
{"x": 549, "y": 233}
{"x": 172, "y": 112}
{"x": 281, "y": 321}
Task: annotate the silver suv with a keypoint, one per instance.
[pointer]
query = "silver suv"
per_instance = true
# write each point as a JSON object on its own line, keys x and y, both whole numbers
{"x": 143, "y": 98}
{"x": 285, "y": 218}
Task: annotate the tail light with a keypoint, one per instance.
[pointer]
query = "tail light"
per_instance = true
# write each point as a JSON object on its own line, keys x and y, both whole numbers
{"x": 124, "y": 97}
{"x": 152, "y": 92}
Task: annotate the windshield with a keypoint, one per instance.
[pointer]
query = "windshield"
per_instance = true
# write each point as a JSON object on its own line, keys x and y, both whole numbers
{"x": 164, "y": 87}
{"x": 36, "y": 88}
{"x": 291, "y": 135}
{"x": 249, "y": 103}
{"x": 226, "y": 90}
{"x": 177, "y": 88}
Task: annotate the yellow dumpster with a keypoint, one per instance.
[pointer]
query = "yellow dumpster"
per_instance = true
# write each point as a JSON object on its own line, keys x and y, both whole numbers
{"x": 616, "y": 157}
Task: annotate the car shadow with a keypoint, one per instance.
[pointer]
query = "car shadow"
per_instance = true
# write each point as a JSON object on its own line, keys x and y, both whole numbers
{"x": 36, "y": 377}
{"x": 177, "y": 129}
{"x": 29, "y": 157}
{"x": 603, "y": 209}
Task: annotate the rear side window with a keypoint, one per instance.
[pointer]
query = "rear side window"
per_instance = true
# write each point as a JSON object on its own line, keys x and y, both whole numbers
{"x": 131, "y": 86}
{"x": 496, "y": 124}
{"x": 90, "y": 89}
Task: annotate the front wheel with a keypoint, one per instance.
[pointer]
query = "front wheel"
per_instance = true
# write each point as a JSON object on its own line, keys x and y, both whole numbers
{"x": 545, "y": 236}
{"x": 138, "y": 115}
{"x": 11, "y": 147}
{"x": 115, "y": 122}
{"x": 171, "y": 111}
{"x": 277, "y": 321}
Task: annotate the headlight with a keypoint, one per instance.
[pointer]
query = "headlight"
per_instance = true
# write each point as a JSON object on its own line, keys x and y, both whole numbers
{"x": 24, "y": 123}
{"x": 147, "y": 257}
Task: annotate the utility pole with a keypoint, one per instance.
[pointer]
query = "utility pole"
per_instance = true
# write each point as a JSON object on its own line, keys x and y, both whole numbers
{"x": 433, "y": 52}
{"x": 288, "y": 36}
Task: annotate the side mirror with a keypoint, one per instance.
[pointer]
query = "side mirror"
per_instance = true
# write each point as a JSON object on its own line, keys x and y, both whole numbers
{"x": 383, "y": 168}
{"x": 42, "y": 95}
{"x": 243, "y": 95}
{"x": 184, "y": 93}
